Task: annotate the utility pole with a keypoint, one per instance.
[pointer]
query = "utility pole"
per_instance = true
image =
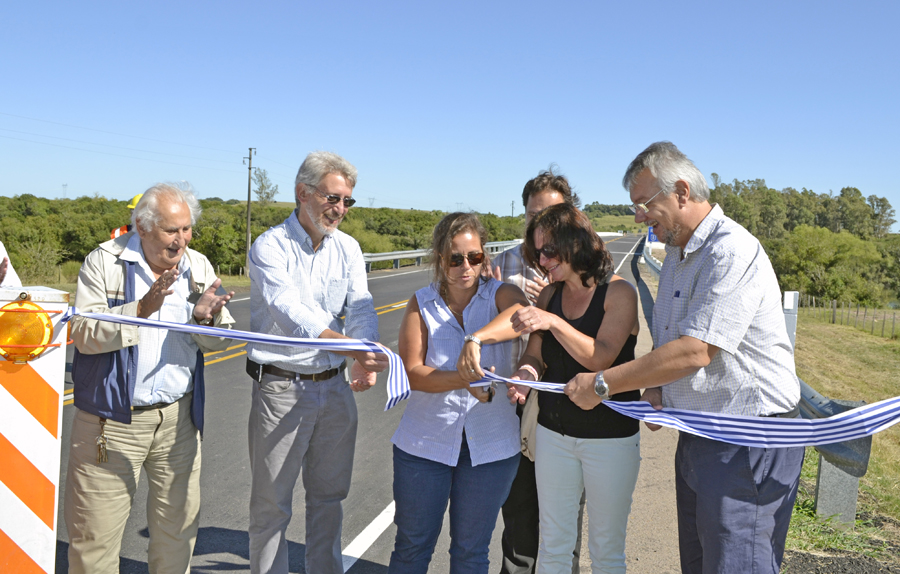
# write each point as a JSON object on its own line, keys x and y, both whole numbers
{"x": 512, "y": 208}
{"x": 249, "y": 159}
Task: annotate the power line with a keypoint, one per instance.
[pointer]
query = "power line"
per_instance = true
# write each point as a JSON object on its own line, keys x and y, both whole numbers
{"x": 278, "y": 162}
{"x": 114, "y": 146}
{"x": 114, "y": 133}
{"x": 120, "y": 155}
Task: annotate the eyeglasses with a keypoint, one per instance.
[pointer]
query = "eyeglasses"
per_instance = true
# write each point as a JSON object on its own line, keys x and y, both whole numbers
{"x": 548, "y": 251}
{"x": 643, "y": 206}
{"x": 334, "y": 199}
{"x": 474, "y": 258}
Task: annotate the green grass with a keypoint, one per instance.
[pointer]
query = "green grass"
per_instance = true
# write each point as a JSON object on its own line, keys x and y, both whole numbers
{"x": 846, "y": 363}
{"x": 617, "y": 223}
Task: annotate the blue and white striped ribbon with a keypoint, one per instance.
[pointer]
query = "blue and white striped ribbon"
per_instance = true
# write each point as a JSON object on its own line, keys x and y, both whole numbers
{"x": 769, "y": 432}
{"x": 397, "y": 385}
{"x": 762, "y": 432}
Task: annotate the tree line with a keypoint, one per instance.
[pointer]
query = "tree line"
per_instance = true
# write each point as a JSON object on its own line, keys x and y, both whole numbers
{"x": 42, "y": 233}
{"x": 833, "y": 246}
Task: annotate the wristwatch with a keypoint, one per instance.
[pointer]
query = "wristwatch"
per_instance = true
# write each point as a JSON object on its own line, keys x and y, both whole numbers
{"x": 473, "y": 339}
{"x": 600, "y": 387}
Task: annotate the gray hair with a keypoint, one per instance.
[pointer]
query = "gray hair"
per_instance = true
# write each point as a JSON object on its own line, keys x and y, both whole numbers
{"x": 318, "y": 164}
{"x": 668, "y": 165}
{"x": 146, "y": 212}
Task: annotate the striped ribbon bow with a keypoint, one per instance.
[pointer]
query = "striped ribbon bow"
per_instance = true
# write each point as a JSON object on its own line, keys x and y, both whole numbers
{"x": 398, "y": 384}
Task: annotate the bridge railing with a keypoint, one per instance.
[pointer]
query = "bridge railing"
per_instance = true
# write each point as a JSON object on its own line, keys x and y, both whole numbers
{"x": 419, "y": 254}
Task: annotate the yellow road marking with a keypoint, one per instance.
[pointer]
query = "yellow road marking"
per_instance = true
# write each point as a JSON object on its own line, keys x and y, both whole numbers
{"x": 225, "y": 350}
{"x": 219, "y": 360}
{"x": 392, "y": 307}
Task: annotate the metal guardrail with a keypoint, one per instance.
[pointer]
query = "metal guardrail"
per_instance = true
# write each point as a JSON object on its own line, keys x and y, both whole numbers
{"x": 652, "y": 262}
{"x": 493, "y": 247}
{"x": 419, "y": 254}
{"x": 840, "y": 464}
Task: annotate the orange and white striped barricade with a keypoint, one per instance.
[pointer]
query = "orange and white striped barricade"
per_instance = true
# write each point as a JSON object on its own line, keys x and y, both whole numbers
{"x": 32, "y": 377}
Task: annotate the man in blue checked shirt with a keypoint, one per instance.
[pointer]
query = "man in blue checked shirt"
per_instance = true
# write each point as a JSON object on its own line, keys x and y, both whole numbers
{"x": 720, "y": 346}
{"x": 308, "y": 280}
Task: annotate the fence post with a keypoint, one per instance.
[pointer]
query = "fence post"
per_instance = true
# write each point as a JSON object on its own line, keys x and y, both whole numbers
{"x": 790, "y": 305}
{"x": 833, "y": 312}
{"x": 842, "y": 312}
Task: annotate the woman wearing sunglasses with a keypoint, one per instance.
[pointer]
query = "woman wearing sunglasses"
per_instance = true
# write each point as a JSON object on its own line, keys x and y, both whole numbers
{"x": 586, "y": 321}
{"x": 454, "y": 443}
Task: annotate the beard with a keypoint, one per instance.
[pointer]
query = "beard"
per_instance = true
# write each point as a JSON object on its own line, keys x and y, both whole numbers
{"x": 318, "y": 221}
{"x": 670, "y": 236}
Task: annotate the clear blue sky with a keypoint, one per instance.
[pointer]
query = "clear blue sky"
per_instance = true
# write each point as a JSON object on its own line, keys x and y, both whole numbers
{"x": 445, "y": 105}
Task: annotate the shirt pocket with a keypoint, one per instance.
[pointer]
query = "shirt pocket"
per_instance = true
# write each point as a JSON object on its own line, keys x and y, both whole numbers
{"x": 336, "y": 295}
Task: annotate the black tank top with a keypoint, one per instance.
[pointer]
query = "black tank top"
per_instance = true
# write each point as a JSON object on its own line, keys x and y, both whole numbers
{"x": 557, "y": 412}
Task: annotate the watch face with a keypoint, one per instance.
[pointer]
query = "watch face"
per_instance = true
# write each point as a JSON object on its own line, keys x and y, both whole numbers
{"x": 600, "y": 387}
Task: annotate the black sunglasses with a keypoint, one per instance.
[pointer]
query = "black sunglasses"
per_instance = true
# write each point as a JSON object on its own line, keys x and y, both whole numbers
{"x": 549, "y": 251}
{"x": 475, "y": 258}
{"x": 334, "y": 199}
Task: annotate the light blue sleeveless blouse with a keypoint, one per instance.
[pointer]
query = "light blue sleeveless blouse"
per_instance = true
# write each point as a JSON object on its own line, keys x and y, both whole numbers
{"x": 433, "y": 423}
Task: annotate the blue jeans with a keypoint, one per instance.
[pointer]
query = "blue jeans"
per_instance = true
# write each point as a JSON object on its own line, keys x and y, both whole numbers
{"x": 734, "y": 505}
{"x": 422, "y": 489}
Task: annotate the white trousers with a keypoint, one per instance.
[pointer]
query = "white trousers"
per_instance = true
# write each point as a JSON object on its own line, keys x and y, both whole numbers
{"x": 606, "y": 470}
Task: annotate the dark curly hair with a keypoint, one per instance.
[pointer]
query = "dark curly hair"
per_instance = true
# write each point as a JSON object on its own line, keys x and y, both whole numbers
{"x": 444, "y": 232}
{"x": 569, "y": 230}
{"x": 549, "y": 181}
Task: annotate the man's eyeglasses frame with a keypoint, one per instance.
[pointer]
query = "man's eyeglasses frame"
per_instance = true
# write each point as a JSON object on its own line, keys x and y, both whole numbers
{"x": 333, "y": 199}
{"x": 643, "y": 206}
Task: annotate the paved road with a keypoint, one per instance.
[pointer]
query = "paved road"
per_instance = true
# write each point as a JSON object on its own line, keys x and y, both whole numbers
{"x": 368, "y": 531}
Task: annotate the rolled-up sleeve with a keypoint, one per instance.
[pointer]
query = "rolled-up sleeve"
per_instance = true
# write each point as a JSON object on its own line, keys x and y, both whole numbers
{"x": 724, "y": 302}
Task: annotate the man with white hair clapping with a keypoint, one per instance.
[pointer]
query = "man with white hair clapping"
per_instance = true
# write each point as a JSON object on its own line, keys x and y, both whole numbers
{"x": 139, "y": 390}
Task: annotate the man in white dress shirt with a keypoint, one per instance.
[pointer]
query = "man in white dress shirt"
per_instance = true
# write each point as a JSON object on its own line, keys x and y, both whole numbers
{"x": 308, "y": 280}
{"x": 139, "y": 391}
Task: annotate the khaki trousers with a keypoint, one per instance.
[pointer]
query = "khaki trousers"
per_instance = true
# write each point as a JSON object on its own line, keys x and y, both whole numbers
{"x": 166, "y": 444}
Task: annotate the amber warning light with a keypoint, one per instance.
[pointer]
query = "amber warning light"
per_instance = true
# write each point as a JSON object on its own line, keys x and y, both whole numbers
{"x": 25, "y": 331}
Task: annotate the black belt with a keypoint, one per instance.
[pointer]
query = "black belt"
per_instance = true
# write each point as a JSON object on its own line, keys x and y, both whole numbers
{"x": 256, "y": 370}
{"x": 155, "y": 407}
{"x": 149, "y": 407}
{"x": 791, "y": 414}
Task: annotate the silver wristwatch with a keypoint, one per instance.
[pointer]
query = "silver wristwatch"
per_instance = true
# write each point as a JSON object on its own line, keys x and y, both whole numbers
{"x": 600, "y": 387}
{"x": 473, "y": 339}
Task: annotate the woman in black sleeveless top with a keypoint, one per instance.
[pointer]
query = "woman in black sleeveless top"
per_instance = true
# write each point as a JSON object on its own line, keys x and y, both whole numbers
{"x": 586, "y": 321}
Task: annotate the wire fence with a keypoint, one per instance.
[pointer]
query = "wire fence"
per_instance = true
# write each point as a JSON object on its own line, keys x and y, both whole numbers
{"x": 879, "y": 322}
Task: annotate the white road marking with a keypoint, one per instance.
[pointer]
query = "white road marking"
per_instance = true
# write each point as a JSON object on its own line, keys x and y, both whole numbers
{"x": 368, "y": 536}
{"x": 633, "y": 247}
{"x": 236, "y": 300}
